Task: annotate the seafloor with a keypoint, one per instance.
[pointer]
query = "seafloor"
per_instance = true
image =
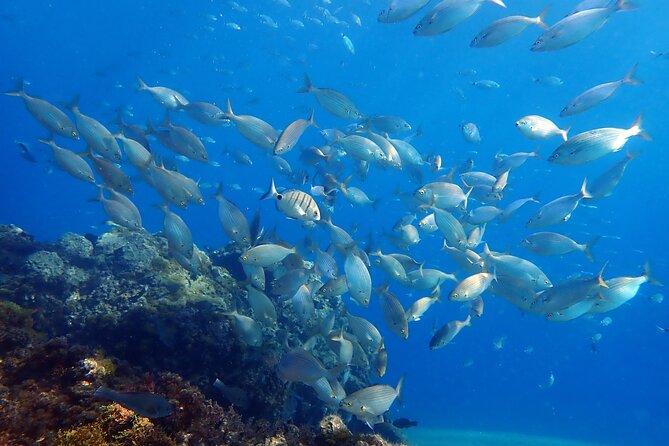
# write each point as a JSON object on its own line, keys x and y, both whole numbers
{"x": 117, "y": 311}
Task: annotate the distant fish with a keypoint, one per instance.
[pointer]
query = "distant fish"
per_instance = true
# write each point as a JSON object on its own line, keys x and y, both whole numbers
{"x": 471, "y": 134}
{"x": 25, "y": 152}
{"x": 404, "y": 423}
{"x": 332, "y": 100}
{"x": 549, "y": 81}
{"x": 598, "y": 94}
{"x": 486, "y": 84}
{"x": 448, "y": 332}
{"x": 605, "y": 184}
{"x": 150, "y": 405}
{"x": 235, "y": 395}
{"x": 348, "y": 43}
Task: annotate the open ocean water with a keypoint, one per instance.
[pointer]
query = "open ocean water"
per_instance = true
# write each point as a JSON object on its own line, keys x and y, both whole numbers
{"x": 512, "y": 378}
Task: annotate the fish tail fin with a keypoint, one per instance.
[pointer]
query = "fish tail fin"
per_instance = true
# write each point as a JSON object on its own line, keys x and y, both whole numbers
{"x": 630, "y": 155}
{"x": 625, "y": 5}
{"x": 20, "y": 89}
{"x": 228, "y": 110}
{"x": 73, "y": 105}
{"x": 649, "y": 277}
{"x": 486, "y": 250}
{"x": 271, "y": 192}
{"x": 638, "y": 131}
{"x": 398, "y": 389}
{"x": 464, "y": 202}
{"x": 49, "y": 142}
{"x": 600, "y": 280}
{"x": 539, "y": 19}
{"x": 468, "y": 322}
{"x": 629, "y": 77}
{"x": 498, "y": 3}
{"x": 436, "y": 292}
{"x": 104, "y": 392}
{"x": 307, "y": 85}
{"x": 584, "y": 191}
{"x": 564, "y": 132}
{"x": 141, "y": 85}
{"x": 589, "y": 246}
{"x": 312, "y": 122}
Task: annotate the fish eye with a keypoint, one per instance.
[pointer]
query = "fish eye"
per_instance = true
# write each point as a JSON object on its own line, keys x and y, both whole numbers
{"x": 279, "y": 197}
{"x": 73, "y": 133}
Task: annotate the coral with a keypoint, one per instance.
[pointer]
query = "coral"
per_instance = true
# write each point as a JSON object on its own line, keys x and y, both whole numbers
{"x": 45, "y": 267}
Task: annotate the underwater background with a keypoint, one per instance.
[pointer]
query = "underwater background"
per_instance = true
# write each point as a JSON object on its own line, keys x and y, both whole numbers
{"x": 494, "y": 376}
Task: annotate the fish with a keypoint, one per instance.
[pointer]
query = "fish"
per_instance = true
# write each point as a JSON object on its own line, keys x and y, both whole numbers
{"x": 248, "y": 330}
{"x": 301, "y": 366}
{"x": 620, "y": 290}
{"x": 505, "y": 29}
{"x": 389, "y": 124}
{"x": 291, "y": 134}
{"x": 399, "y": 10}
{"x": 381, "y": 360}
{"x": 594, "y": 144}
{"x": 598, "y": 94}
{"x": 604, "y": 185}
{"x": 472, "y": 287}
{"x": 358, "y": 280}
{"x": 265, "y": 255}
{"x": 486, "y": 84}
{"x": 570, "y": 292}
{"x": 451, "y": 228}
{"x": 332, "y": 100}
{"x": 447, "y": 14}
{"x": 390, "y": 265}
{"x": 48, "y": 115}
{"x": 482, "y": 215}
{"x": 234, "y": 222}
{"x": 180, "y": 140}
{"x": 428, "y": 278}
{"x": 513, "y": 161}
{"x": 553, "y": 244}
{"x": 25, "y": 152}
{"x": 331, "y": 393}
{"x": 111, "y": 174}
{"x": 136, "y": 153}
{"x": 204, "y": 112}
{"x": 513, "y": 207}
{"x": 257, "y": 131}
{"x": 370, "y": 403}
{"x": 446, "y": 196}
{"x": 367, "y": 334}
{"x": 345, "y": 350}
{"x": 255, "y": 275}
{"x": 576, "y": 27}
{"x": 538, "y": 127}
{"x": 448, "y": 332}
{"x": 263, "y": 308}
{"x": 70, "y": 162}
{"x": 294, "y": 203}
{"x": 520, "y": 269}
{"x": 145, "y": 404}
{"x": 348, "y": 43}
{"x": 325, "y": 265}
{"x": 549, "y": 81}
{"x": 471, "y": 134}
{"x": 476, "y": 307}
{"x": 96, "y": 135}
{"x": 302, "y": 302}
{"x": 354, "y": 195}
{"x": 404, "y": 423}
{"x": 361, "y": 148}
{"x": 120, "y": 209}
{"x": 235, "y": 395}
{"x": 559, "y": 210}
{"x": 167, "y": 97}
{"x": 420, "y": 306}
{"x": 393, "y": 313}
{"x": 179, "y": 236}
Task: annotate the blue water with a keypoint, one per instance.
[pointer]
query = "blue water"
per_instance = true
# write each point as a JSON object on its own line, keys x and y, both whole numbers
{"x": 615, "y": 395}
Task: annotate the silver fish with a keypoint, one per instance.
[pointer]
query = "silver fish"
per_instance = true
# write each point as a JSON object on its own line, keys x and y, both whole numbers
{"x": 516, "y": 267}
{"x": 448, "y": 14}
{"x": 597, "y": 94}
{"x": 483, "y": 214}
{"x": 111, "y": 174}
{"x": 559, "y": 210}
{"x": 446, "y": 333}
{"x": 447, "y": 196}
{"x": 620, "y": 290}
{"x": 420, "y": 306}
{"x": 96, "y": 135}
{"x": 451, "y": 228}
{"x": 176, "y": 231}
{"x": 291, "y": 134}
{"x": 345, "y": 348}
{"x": 604, "y": 184}
{"x": 120, "y": 213}
{"x": 389, "y": 124}
{"x": 301, "y": 366}
{"x": 262, "y": 306}
{"x": 204, "y": 112}
{"x": 265, "y": 255}
{"x": 47, "y": 114}
{"x": 70, "y": 162}
{"x": 506, "y": 28}
{"x": 183, "y": 141}
{"x": 233, "y": 220}
{"x": 398, "y": 10}
{"x": 393, "y": 313}
{"x": 367, "y": 334}
{"x": 568, "y": 293}
{"x": 472, "y": 287}
{"x": 255, "y": 275}
{"x": 136, "y": 153}
{"x": 332, "y": 100}
{"x": 254, "y": 129}
{"x": 538, "y": 127}
{"x": 247, "y": 329}
{"x": 168, "y": 98}
{"x": 428, "y": 279}
{"x": 513, "y": 207}
{"x": 471, "y": 133}
{"x": 553, "y": 244}
{"x": 370, "y": 403}
{"x": 576, "y": 27}
{"x": 391, "y": 266}
{"x": 358, "y": 279}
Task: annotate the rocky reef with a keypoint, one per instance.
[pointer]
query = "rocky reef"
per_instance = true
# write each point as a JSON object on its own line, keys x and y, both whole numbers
{"x": 118, "y": 311}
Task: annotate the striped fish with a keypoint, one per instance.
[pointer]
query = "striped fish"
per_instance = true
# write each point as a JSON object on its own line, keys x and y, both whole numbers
{"x": 254, "y": 129}
{"x": 292, "y": 134}
{"x": 234, "y": 223}
{"x": 358, "y": 279}
{"x": 472, "y": 287}
{"x": 178, "y": 234}
{"x": 332, "y": 100}
{"x": 294, "y": 203}
{"x": 369, "y": 404}
{"x": 393, "y": 313}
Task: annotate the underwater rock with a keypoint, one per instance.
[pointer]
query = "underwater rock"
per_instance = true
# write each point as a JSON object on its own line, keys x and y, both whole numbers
{"x": 75, "y": 246}
{"x": 45, "y": 266}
